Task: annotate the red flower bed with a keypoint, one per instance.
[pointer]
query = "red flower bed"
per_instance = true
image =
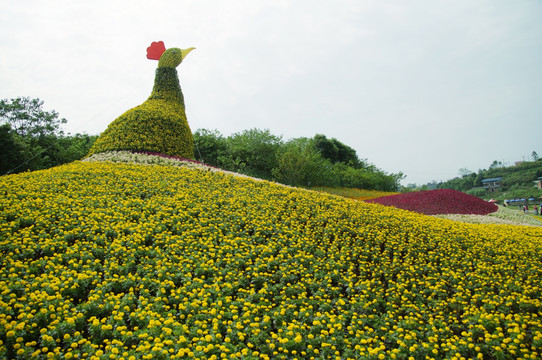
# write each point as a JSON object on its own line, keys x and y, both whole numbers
{"x": 440, "y": 201}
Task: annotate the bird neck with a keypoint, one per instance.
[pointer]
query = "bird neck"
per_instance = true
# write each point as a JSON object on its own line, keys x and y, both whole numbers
{"x": 166, "y": 86}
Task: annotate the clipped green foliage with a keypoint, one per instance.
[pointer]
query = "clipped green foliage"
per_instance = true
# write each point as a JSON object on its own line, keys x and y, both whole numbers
{"x": 158, "y": 125}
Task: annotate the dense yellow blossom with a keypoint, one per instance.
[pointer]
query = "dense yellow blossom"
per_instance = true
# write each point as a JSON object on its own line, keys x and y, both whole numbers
{"x": 111, "y": 261}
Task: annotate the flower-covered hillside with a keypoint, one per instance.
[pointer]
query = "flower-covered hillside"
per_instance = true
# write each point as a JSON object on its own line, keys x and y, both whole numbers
{"x": 124, "y": 261}
{"x": 440, "y": 201}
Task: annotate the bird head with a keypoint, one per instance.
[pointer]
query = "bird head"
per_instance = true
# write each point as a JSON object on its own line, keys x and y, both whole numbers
{"x": 166, "y": 58}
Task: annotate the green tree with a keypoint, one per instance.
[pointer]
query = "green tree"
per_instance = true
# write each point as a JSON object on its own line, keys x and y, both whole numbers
{"x": 299, "y": 163}
{"x": 256, "y": 149}
{"x": 209, "y": 145}
{"x": 28, "y": 119}
{"x": 11, "y": 155}
{"x": 495, "y": 165}
{"x": 335, "y": 151}
{"x": 464, "y": 172}
{"x": 74, "y": 147}
{"x": 327, "y": 148}
{"x": 35, "y": 129}
{"x": 369, "y": 179}
{"x": 32, "y": 138}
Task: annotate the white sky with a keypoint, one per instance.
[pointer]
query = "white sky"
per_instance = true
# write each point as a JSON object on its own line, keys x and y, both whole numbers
{"x": 423, "y": 87}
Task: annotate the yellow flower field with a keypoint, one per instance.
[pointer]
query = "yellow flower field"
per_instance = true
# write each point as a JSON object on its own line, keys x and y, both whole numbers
{"x": 126, "y": 261}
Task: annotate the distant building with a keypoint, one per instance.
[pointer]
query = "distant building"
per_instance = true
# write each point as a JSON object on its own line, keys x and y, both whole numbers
{"x": 493, "y": 184}
{"x": 538, "y": 183}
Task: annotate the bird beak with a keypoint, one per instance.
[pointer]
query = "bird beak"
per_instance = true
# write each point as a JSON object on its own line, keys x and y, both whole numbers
{"x": 185, "y": 52}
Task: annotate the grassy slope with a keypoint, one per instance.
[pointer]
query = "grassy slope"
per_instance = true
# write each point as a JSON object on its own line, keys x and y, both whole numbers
{"x": 137, "y": 260}
{"x": 356, "y": 194}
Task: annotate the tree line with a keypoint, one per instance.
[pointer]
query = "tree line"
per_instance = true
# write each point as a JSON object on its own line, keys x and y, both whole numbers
{"x": 306, "y": 162}
{"x": 518, "y": 180}
{"x": 32, "y": 139}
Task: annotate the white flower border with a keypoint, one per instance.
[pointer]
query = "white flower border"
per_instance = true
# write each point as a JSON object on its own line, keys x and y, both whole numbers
{"x": 124, "y": 156}
{"x": 501, "y": 216}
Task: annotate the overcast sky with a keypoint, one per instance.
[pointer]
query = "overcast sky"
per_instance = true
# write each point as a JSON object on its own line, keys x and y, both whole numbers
{"x": 422, "y": 87}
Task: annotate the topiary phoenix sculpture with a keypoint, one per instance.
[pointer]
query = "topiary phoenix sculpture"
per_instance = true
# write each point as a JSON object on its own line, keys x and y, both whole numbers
{"x": 159, "y": 124}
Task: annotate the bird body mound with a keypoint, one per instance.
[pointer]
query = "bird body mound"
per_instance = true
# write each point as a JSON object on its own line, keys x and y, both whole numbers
{"x": 438, "y": 202}
{"x": 158, "y": 125}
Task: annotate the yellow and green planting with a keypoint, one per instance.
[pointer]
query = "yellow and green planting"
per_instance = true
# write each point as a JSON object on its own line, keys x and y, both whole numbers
{"x": 159, "y": 124}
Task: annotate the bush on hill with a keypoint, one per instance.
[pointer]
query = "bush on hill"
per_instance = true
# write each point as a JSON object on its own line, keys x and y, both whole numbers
{"x": 305, "y": 162}
{"x": 518, "y": 181}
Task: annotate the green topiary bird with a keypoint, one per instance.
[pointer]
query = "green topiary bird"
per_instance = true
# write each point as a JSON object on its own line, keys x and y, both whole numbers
{"x": 159, "y": 124}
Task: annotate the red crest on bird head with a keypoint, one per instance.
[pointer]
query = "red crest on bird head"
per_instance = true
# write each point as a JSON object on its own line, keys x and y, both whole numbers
{"x": 156, "y": 50}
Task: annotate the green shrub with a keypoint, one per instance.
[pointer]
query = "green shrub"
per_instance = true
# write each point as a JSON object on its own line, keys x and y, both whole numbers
{"x": 478, "y": 192}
